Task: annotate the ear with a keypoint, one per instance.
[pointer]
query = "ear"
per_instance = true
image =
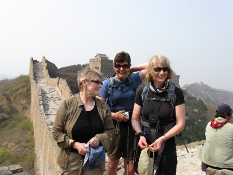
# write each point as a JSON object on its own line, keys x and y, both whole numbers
{"x": 84, "y": 82}
{"x": 228, "y": 117}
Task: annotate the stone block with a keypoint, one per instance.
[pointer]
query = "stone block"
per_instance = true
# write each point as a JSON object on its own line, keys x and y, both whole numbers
{"x": 15, "y": 169}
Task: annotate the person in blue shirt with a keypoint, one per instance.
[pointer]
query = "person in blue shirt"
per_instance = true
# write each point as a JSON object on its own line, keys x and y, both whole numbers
{"x": 119, "y": 92}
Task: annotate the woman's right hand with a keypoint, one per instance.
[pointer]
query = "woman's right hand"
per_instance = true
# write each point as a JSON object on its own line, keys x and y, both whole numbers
{"x": 142, "y": 143}
{"x": 81, "y": 148}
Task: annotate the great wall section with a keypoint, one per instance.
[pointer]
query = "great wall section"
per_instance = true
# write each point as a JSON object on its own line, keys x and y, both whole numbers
{"x": 46, "y": 95}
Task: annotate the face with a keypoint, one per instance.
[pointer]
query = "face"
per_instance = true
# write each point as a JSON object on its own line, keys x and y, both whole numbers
{"x": 93, "y": 85}
{"x": 159, "y": 74}
{"x": 122, "y": 70}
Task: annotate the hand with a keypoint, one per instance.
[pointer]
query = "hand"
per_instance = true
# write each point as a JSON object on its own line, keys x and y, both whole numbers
{"x": 119, "y": 116}
{"x": 142, "y": 142}
{"x": 94, "y": 142}
{"x": 81, "y": 148}
{"x": 156, "y": 145}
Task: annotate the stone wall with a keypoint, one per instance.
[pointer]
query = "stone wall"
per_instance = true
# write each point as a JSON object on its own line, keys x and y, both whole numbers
{"x": 46, "y": 149}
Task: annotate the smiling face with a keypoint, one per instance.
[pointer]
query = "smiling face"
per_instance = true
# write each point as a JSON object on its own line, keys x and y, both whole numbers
{"x": 121, "y": 70}
{"x": 159, "y": 75}
{"x": 159, "y": 70}
{"x": 122, "y": 63}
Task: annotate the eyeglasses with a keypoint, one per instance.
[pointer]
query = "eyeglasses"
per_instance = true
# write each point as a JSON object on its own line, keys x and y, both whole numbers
{"x": 96, "y": 82}
{"x": 124, "y": 66}
{"x": 158, "y": 69}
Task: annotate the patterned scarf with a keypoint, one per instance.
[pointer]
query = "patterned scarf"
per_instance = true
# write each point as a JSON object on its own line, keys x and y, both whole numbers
{"x": 159, "y": 90}
{"x": 218, "y": 122}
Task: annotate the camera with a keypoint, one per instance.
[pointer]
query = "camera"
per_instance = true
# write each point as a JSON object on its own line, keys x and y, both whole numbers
{"x": 126, "y": 114}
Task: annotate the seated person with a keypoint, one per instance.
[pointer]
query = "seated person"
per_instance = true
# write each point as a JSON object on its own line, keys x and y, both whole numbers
{"x": 217, "y": 152}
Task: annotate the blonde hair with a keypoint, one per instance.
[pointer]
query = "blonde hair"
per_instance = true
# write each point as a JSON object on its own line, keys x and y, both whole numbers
{"x": 87, "y": 74}
{"x": 165, "y": 62}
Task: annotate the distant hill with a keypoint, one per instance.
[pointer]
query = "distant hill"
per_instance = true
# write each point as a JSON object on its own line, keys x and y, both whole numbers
{"x": 208, "y": 94}
{"x": 3, "y": 77}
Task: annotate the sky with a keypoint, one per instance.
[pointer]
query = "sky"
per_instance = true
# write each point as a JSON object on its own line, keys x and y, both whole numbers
{"x": 195, "y": 35}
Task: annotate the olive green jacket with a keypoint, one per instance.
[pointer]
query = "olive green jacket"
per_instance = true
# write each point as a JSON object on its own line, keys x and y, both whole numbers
{"x": 67, "y": 115}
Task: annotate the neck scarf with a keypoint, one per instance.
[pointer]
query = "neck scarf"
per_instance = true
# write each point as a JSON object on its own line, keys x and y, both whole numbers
{"x": 159, "y": 90}
{"x": 218, "y": 122}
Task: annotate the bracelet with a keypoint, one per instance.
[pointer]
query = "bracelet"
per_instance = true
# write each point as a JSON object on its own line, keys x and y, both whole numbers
{"x": 72, "y": 144}
{"x": 165, "y": 137}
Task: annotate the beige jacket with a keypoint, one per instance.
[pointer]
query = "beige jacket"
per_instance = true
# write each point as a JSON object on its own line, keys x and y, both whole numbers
{"x": 67, "y": 115}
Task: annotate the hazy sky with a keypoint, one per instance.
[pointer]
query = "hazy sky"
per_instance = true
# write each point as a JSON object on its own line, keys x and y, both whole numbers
{"x": 196, "y": 35}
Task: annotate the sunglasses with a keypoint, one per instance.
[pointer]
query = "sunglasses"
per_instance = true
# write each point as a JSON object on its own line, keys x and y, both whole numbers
{"x": 96, "y": 82}
{"x": 124, "y": 66}
{"x": 158, "y": 69}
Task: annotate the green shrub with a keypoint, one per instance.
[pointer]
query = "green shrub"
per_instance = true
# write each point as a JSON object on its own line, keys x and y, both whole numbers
{"x": 26, "y": 125}
{"x": 31, "y": 141}
{"x": 5, "y": 154}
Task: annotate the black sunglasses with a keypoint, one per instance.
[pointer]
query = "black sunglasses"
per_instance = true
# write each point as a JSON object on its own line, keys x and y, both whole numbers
{"x": 124, "y": 66}
{"x": 96, "y": 82}
{"x": 158, "y": 69}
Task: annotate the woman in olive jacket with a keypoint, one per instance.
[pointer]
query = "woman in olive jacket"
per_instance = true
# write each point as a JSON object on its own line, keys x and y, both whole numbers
{"x": 82, "y": 119}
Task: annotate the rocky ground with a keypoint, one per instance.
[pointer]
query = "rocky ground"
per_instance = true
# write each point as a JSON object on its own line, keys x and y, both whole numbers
{"x": 188, "y": 162}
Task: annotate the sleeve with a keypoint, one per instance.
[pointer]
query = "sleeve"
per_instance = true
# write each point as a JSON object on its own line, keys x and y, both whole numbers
{"x": 179, "y": 96}
{"x": 136, "y": 79}
{"x": 103, "y": 89}
{"x": 58, "y": 130}
{"x": 138, "y": 99}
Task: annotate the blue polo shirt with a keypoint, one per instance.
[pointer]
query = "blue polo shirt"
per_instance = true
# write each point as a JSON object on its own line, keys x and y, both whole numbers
{"x": 122, "y": 93}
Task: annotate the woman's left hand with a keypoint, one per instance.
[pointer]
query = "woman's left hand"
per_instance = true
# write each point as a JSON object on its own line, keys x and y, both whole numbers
{"x": 156, "y": 145}
{"x": 94, "y": 142}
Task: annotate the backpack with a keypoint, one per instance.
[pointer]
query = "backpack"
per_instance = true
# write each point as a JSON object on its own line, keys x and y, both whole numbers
{"x": 112, "y": 84}
{"x": 170, "y": 98}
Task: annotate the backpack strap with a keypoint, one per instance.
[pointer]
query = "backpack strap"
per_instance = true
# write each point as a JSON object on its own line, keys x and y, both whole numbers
{"x": 131, "y": 83}
{"x": 109, "y": 89}
{"x": 172, "y": 95}
{"x": 145, "y": 93}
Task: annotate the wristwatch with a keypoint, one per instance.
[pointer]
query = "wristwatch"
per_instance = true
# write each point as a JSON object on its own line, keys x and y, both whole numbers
{"x": 140, "y": 134}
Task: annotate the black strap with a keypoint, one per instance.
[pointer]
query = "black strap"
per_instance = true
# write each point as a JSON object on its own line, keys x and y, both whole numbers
{"x": 158, "y": 157}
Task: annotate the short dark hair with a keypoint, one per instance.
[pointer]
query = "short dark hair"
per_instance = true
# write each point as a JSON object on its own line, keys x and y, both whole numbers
{"x": 122, "y": 57}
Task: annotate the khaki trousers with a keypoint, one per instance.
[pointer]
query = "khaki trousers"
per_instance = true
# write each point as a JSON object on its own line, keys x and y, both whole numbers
{"x": 74, "y": 166}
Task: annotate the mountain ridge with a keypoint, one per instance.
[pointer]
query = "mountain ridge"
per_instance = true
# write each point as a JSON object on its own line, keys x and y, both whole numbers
{"x": 208, "y": 94}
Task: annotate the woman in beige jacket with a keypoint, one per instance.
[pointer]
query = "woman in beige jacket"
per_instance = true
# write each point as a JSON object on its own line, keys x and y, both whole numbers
{"x": 82, "y": 119}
